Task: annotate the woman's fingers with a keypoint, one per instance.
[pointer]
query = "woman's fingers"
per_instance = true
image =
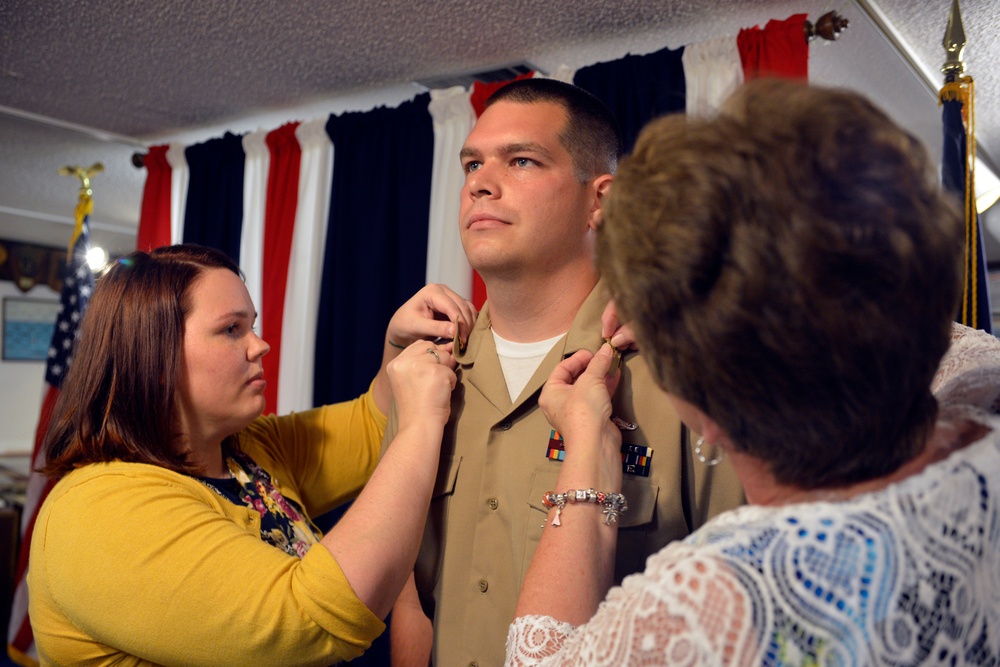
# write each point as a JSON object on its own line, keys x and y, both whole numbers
{"x": 435, "y": 312}
{"x": 621, "y": 336}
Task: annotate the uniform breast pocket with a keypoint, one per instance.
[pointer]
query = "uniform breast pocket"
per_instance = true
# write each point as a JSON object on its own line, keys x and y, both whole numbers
{"x": 428, "y": 564}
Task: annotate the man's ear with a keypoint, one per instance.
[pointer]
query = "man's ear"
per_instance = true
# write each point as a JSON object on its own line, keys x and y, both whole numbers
{"x": 601, "y": 187}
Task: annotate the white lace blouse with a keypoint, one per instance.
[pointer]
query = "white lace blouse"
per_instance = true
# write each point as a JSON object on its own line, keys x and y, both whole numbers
{"x": 906, "y": 575}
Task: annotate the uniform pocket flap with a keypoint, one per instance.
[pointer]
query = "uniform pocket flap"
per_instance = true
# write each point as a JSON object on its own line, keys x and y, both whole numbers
{"x": 444, "y": 484}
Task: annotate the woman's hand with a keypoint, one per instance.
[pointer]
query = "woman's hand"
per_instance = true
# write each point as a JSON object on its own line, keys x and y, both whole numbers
{"x": 621, "y": 336}
{"x": 422, "y": 379}
{"x": 435, "y": 312}
{"x": 576, "y": 400}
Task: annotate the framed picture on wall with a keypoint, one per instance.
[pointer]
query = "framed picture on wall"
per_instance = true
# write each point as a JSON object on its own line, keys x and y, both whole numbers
{"x": 27, "y": 328}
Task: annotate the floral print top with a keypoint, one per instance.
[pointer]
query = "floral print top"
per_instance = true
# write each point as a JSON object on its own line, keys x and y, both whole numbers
{"x": 283, "y": 523}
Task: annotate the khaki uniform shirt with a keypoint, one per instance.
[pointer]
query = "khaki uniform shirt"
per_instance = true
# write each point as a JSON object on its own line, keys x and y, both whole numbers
{"x": 486, "y": 514}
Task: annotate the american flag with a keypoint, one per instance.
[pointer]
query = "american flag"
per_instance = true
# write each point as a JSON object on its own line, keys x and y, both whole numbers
{"x": 77, "y": 287}
{"x": 78, "y": 283}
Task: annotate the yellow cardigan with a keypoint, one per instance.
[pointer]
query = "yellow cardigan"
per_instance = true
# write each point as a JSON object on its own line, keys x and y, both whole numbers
{"x": 133, "y": 564}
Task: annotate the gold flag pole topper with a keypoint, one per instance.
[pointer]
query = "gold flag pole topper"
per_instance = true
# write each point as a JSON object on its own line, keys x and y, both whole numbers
{"x": 85, "y": 204}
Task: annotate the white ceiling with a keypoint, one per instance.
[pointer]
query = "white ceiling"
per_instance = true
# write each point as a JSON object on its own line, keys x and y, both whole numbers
{"x": 82, "y": 82}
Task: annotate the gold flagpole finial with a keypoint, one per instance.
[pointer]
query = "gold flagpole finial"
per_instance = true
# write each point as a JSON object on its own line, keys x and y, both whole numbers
{"x": 954, "y": 44}
{"x": 85, "y": 202}
{"x": 84, "y": 175}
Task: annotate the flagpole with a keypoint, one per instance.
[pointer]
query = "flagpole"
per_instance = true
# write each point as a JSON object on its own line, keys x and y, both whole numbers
{"x": 959, "y": 88}
{"x": 78, "y": 282}
{"x": 958, "y": 170}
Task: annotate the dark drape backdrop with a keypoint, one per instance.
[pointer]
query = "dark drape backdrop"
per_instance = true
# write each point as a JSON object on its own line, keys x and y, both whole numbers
{"x": 375, "y": 256}
{"x": 637, "y": 88}
{"x": 213, "y": 215}
{"x": 376, "y": 240}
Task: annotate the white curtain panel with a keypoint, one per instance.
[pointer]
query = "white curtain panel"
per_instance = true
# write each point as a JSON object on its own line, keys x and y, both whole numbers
{"x": 453, "y": 117}
{"x": 179, "y": 178}
{"x": 305, "y": 269}
{"x": 256, "y": 166}
{"x": 712, "y": 70}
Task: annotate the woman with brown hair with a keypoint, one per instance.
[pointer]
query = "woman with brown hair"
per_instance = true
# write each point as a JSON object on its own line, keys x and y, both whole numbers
{"x": 180, "y": 529}
{"x": 791, "y": 271}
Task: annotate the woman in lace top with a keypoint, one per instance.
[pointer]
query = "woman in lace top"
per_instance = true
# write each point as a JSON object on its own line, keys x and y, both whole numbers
{"x": 791, "y": 270}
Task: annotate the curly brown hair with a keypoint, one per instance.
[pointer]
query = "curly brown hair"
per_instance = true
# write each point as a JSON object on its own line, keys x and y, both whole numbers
{"x": 792, "y": 269}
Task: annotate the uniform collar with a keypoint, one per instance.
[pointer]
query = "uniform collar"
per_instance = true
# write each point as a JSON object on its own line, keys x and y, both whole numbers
{"x": 584, "y": 332}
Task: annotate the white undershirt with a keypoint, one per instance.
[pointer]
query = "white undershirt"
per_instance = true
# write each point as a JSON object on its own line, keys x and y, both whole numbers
{"x": 519, "y": 361}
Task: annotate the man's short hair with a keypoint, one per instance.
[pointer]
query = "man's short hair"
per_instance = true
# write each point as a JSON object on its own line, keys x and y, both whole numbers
{"x": 591, "y": 136}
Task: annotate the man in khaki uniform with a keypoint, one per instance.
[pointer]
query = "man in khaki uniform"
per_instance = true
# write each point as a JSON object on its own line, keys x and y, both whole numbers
{"x": 538, "y": 164}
